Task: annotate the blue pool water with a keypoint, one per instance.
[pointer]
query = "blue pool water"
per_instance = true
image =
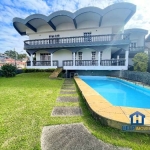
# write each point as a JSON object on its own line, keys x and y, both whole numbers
{"x": 119, "y": 92}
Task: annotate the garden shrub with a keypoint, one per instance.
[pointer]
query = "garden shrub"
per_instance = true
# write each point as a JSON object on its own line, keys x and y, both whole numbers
{"x": 37, "y": 70}
{"x": 8, "y": 70}
{"x": 140, "y": 62}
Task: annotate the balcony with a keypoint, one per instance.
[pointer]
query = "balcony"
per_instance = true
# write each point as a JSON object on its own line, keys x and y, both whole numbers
{"x": 112, "y": 64}
{"x": 136, "y": 49}
{"x": 42, "y": 63}
{"x": 92, "y": 40}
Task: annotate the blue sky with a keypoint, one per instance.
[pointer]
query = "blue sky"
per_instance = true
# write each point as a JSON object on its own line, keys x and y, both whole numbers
{"x": 10, "y": 38}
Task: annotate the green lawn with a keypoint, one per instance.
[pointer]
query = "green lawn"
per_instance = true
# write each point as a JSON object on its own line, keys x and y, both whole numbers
{"x": 26, "y": 102}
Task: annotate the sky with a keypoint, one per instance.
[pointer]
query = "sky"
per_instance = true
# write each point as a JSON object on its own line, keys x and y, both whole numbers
{"x": 10, "y": 39}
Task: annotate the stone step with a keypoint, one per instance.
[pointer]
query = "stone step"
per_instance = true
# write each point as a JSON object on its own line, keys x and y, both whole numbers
{"x": 67, "y": 87}
{"x": 66, "y": 111}
{"x": 67, "y": 99}
{"x": 68, "y": 92}
{"x": 73, "y": 137}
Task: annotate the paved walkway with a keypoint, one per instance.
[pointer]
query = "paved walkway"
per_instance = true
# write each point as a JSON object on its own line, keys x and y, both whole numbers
{"x": 66, "y": 95}
{"x": 72, "y": 137}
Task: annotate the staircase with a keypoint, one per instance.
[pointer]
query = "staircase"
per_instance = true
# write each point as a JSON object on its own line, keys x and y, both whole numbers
{"x": 55, "y": 73}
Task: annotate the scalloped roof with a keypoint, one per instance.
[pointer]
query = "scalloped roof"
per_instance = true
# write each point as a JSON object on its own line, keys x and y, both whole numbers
{"x": 104, "y": 14}
{"x": 137, "y": 30}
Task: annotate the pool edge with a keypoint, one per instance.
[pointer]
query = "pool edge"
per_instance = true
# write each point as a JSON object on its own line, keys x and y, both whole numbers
{"x": 105, "y": 112}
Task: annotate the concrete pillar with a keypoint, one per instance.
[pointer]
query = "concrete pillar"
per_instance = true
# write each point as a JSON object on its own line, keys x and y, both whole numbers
{"x": 117, "y": 60}
{"x": 99, "y": 61}
{"x": 31, "y": 59}
{"x": 126, "y": 58}
{"x": 51, "y": 59}
{"x": 73, "y": 58}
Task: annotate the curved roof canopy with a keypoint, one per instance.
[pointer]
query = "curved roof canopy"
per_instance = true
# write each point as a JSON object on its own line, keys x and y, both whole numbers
{"x": 116, "y": 14}
{"x": 136, "y": 30}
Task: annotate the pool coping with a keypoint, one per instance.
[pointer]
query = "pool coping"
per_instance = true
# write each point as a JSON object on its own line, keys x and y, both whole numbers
{"x": 105, "y": 112}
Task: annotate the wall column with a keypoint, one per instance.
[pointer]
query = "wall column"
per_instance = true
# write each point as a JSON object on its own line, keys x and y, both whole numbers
{"x": 31, "y": 59}
{"x": 117, "y": 60}
{"x": 73, "y": 58}
{"x": 51, "y": 59}
{"x": 126, "y": 58}
{"x": 99, "y": 61}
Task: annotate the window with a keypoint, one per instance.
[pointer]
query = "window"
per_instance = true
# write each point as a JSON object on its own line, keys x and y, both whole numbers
{"x": 75, "y": 55}
{"x": 93, "y": 55}
{"x": 93, "y": 58}
{"x": 87, "y": 36}
{"x": 45, "y": 56}
{"x": 80, "y": 55}
{"x": 133, "y": 45}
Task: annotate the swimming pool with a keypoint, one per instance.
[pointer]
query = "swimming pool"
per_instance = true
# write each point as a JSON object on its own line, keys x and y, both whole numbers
{"x": 119, "y": 92}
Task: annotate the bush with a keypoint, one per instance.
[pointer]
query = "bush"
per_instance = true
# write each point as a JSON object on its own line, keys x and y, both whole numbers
{"x": 37, "y": 70}
{"x": 8, "y": 70}
{"x": 140, "y": 62}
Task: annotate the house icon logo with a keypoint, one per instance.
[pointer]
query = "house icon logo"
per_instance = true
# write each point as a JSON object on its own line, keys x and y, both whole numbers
{"x": 137, "y": 118}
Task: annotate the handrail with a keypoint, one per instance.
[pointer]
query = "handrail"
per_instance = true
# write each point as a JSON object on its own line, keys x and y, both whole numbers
{"x": 78, "y": 39}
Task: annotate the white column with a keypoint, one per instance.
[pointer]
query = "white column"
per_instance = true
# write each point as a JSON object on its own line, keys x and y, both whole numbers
{"x": 31, "y": 59}
{"x": 126, "y": 58}
{"x": 73, "y": 58}
{"x": 117, "y": 59}
{"x": 51, "y": 59}
{"x": 99, "y": 53}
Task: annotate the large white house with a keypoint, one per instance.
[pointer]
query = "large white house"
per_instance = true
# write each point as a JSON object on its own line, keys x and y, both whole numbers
{"x": 88, "y": 39}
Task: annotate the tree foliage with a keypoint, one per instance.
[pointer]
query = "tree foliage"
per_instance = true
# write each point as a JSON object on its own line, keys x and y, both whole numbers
{"x": 140, "y": 62}
{"x": 15, "y": 55}
{"x": 8, "y": 70}
{"x": 148, "y": 61}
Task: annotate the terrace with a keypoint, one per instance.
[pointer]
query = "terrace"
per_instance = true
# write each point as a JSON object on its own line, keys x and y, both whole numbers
{"x": 91, "y": 40}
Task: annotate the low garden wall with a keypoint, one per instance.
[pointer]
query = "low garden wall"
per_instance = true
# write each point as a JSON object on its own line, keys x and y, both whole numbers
{"x": 143, "y": 77}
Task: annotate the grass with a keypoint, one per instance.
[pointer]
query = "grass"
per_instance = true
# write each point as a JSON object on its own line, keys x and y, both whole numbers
{"x": 26, "y": 103}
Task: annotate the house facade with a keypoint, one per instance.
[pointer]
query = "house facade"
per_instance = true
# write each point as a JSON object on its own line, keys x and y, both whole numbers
{"x": 88, "y": 39}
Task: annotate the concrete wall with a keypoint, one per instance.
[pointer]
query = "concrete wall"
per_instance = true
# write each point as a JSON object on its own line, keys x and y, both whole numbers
{"x": 45, "y": 31}
{"x": 62, "y": 55}
{"x": 139, "y": 38}
{"x": 130, "y": 61}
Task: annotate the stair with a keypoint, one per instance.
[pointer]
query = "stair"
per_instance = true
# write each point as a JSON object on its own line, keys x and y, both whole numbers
{"x": 56, "y": 73}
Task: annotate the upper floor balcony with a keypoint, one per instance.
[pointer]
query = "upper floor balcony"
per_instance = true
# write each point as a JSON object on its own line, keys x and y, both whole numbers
{"x": 137, "y": 49}
{"x": 78, "y": 41}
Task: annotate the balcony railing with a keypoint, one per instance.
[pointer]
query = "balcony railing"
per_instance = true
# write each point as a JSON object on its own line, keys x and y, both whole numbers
{"x": 43, "y": 63}
{"x": 67, "y": 62}
{"x": 54, "y": 42}
{"x": 141, "y": 48}
{"x": 86, "y": 63}
{"x": 112, "y": 62}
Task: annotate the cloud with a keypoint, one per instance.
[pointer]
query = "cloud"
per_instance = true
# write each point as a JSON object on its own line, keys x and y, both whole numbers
{"x": 10, "y": 38}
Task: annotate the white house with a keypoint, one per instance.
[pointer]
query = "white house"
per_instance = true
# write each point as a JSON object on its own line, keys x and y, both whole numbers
{"x": 88, "y": 39}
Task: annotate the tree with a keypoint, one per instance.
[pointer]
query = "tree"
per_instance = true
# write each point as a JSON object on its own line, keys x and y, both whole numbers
{"x": 15, "y": 55}
{"x": 148, "y": 61}
{"x": 140, "y": 61}
{"x": 11, "y": 54}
